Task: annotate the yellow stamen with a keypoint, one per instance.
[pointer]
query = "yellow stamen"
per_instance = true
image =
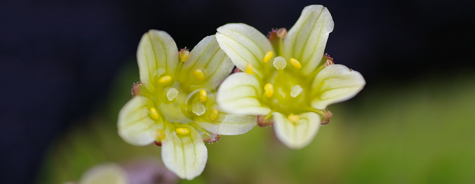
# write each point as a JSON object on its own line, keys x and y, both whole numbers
{"x": 268, "y": 56}
{"x": 199, "y": 74}
{"x": 295, "y": 63}
{"x": 184, "y": 55}
{"x": 165, "y": 79}
{"x": 182, "y": 131}
{"x": 203, "y": 95}
{"x": 294, "y": 118}
{"x": 282, "y": 33}
{"x": 159, "y": 134}
{"x": 249, "y": 69}
{"x": 153, "y": 113}
{"x": 214, "y": 114}
{"x": 269, "y": 89}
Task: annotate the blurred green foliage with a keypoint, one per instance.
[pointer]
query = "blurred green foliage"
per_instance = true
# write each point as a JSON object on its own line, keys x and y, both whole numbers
{"x": 422, "y": 131}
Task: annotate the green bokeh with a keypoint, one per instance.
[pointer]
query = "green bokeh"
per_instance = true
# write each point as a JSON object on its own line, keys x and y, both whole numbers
{"x": 422, "y": 131}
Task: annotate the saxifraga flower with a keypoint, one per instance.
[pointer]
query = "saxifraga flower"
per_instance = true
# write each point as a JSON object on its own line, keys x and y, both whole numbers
{"x": 175, "y": 103}
{"x": 287, "y": 77}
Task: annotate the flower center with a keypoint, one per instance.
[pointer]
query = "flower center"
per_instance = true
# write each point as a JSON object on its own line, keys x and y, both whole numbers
{"x": 286, "y": 91}
{"x": 175, "y": 105}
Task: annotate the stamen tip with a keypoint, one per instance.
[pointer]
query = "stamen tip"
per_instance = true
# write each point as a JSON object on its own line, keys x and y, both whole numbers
{"x": 282, "y": 33}
{"x": 249, "y": 69}
{"x": 294, "y": 62}
{"x": 214, "y": 114}
{"x": 294, "y": 118}
{"x": 165, "y": 79}
{"x": 199, "y": 74}
{"x": 203, "y": 95}
{"x": 268, "y": 56}
{"x": 184, "y": 55}
{"x": 153, "y": 113}
{"x": 269, "y": 90}
{"x": 182, "y": 131}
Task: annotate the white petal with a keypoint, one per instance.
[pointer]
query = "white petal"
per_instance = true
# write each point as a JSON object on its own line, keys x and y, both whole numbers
{"x": 207, "y": 55}
{"x": 186, "y": 156}
{"x": 134, "y": 124}
{"x": 307, "y": 39}
{"x": 244, "y": 44}
{"x": 240, "y": 94}
{"x": 105, "y": 173}
{"x": 341, "y": 84}
{"x": 231, "y": 125}
{"x": 157, "y": 54}
{"x": 296, "y": 135}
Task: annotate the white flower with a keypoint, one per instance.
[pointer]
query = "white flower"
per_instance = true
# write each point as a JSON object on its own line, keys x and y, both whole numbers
{"x": 287, "y": 76}
{"x": 106, "y": 173}
{"x": 174, "y": 105}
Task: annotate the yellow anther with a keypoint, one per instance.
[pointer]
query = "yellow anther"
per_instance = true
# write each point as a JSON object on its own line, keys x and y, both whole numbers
{"x": 268, "y": 56}
{"x": 282, "y": 33}
{"x": 159, "y": 134}
{"x": 269, "y": 89}
{"x": 165, "y": 79}
{"x": 249, "y": 69}
{"x": 203, "y": 95}
{"x": 294, "y": 118}
{"x": 153, "y": 113}
{"x": 184, "y": 55}
{"x": 214, "y": 114}
{"x": 199, "y": 74}
{"x": 182, "y": 131}
{"x": 295, "y": 63}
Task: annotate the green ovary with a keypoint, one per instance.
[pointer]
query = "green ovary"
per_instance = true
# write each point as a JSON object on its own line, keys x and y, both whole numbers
{"x": 291, "y": 92}
{"x": 176, "y": 105}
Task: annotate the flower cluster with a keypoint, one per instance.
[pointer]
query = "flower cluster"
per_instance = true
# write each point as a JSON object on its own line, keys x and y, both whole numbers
{"x": 287, "y": 81}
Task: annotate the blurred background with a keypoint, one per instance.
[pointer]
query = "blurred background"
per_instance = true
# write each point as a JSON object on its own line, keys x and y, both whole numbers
{"x": 67, "y": 67}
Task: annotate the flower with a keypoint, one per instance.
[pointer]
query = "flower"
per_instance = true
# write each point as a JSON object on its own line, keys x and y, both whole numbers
{"x": 174, "y": 105}
{"x": 287, "y": 76}
{"x": 104, "y": 173}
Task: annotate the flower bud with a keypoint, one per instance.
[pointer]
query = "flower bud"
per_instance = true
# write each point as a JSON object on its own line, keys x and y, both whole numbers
{"x": 326, "y": 117}
{"x": 262, "y": 121}
{"x": 236, "y": 70}
{"x": 184, "y": 55}
{"x": 210, "y": 138}
{"x": 158, "y": 143}
{"x": 282, "y": 33}
{"x": 328, "y": 60}
{"x": 136, "y": 89}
